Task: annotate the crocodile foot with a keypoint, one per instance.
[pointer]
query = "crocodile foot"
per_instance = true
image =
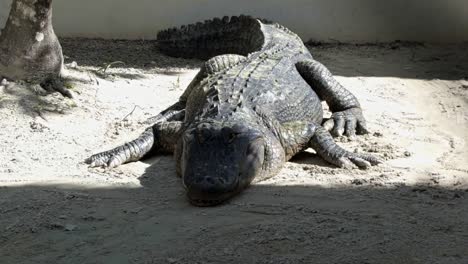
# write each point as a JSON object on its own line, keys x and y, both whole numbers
{"x": 323, "y": 143}
{"x": 131, "y": 151}
{"x": 111, "y": 158}
{"x": 347, "y": 122}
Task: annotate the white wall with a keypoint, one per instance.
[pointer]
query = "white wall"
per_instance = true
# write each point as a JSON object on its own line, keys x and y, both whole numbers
{"x": 4, "y": 8}
{"x": 324, "y": 20}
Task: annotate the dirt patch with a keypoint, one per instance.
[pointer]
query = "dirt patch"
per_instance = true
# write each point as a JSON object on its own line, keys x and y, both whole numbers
{"x": 412, "y": 209}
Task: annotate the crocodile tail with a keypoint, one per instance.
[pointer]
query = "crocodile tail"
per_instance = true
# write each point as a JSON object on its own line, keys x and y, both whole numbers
{"x": 228, "y": 35}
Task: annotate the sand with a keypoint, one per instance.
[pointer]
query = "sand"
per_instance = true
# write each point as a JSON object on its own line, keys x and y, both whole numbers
{"x": 411, "y": 209}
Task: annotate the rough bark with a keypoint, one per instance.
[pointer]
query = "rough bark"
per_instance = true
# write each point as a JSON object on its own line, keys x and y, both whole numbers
{"x": 29, "y": 48}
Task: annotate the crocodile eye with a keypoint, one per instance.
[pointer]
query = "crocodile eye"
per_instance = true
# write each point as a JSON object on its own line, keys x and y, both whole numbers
{"x": 189, "y": 135}
{"x": 228, "y": 134}
{"x": 231, "y": 137}
{"x": 204, "y": 135}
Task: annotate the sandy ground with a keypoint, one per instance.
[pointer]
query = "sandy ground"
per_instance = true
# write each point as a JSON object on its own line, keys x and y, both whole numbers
{"x": 411, "y": 209}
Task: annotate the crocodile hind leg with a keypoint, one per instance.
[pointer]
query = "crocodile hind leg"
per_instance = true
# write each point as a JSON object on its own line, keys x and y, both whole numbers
{"x": 322, "y": 142}
{"x": 162, "y": 137}
{"x": 347, "y": 115}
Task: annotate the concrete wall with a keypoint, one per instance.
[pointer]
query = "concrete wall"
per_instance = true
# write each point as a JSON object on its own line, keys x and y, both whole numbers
{"x": 324, "y": 20}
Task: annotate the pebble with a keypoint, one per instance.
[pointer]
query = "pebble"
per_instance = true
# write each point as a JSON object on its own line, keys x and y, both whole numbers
{"x": 134, "y": 210}
{"x": 37, "y": 126}
{"x": 373, "y": 149}
{"x": 172, "y": 260}
{"x": 357, "y": 182}
{"x": 378, "y": 134}
{"x": 56, "y": 226}
{"x": 70, "y": 227}
{"x": 343, "y": 139}
{"x": 407, "y": 154}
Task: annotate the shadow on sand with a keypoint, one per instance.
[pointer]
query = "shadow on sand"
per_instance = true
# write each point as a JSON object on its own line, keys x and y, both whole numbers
{"x": 265, "y": 224}
{"x": 139, "y": 54}
{"x": 414, "y": 60}
{"x": 396, "y": 59}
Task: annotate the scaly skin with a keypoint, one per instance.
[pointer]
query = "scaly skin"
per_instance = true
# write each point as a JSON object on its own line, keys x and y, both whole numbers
{"x": 246, "y": 112}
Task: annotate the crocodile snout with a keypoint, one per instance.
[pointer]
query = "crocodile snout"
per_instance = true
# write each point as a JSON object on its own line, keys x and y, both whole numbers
{"x": 211, "y": 184}
{"x": 210, "y": 190}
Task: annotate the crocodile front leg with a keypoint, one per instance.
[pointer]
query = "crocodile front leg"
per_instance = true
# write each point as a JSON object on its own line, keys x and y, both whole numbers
{"x": 175, "y": 112}
{"x": 161, "y": 137}
{"x": 322, "y": 142}
{"x": 347, "y": 115}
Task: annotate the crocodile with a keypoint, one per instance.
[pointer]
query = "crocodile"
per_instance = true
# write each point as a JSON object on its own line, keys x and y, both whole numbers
{"x": 255, "y": 103}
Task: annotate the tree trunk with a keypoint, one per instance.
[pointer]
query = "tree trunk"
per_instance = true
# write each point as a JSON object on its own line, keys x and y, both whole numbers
{"x": 29, "y": 48}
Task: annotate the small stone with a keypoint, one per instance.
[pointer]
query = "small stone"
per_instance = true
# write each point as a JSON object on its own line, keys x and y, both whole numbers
{"x": 37, "y": 126}
{"x": 134, "y": 210}
{"x": 172, "y": 260}
{"x": 378, "y": 134}
{"x": 73, "y": 65}
{"x": 407, "y": 154}
{"x": 39, "y": 36}
{"x": 4, "y": 82}
{"x": 56, "y": 226}
{"x": 227, "y": 251}
{"x": 373, "y": 149}
{"x": 357, "y": 182}
{"x": 70, "y": 227}
{"x": 79, "y": 244}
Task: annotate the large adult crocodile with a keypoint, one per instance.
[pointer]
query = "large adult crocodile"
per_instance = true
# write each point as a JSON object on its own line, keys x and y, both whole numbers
{"x": 246, "y": 112}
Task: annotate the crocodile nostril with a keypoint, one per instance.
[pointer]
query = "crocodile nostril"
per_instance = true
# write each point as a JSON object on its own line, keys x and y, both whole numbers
{"x": 210, "y": 180}
{"x": 210, "y": 184}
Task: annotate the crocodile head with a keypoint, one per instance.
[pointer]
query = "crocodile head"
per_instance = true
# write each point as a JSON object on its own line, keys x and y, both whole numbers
{"x": 219, "y": 160}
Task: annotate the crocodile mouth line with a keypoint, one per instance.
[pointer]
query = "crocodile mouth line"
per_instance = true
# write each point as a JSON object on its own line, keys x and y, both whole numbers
{"x": 204, "y": 199}
{"x": 205, "y": 203}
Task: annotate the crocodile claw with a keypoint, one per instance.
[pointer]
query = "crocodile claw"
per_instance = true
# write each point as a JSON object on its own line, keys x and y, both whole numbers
{"x": 104, "y": 159}
{"x": 354, "y": 160}
{"x": 348, "y": 122}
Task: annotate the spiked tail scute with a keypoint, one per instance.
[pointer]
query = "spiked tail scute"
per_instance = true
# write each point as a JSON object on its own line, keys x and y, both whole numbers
{"x": 229, "y": 35}
{"x": 223, "y": 62}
